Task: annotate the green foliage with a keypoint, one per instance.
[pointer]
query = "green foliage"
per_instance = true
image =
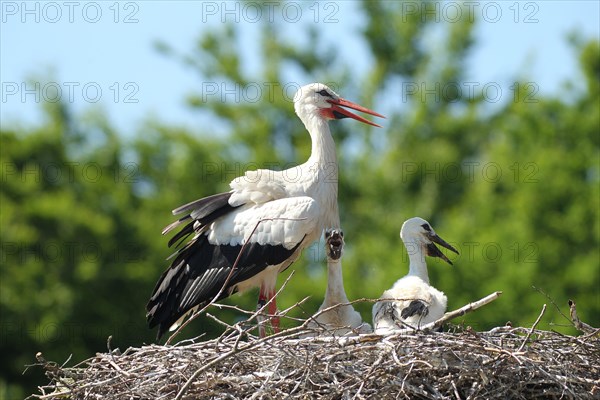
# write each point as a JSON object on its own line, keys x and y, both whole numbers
{"x": 515, "y": 187}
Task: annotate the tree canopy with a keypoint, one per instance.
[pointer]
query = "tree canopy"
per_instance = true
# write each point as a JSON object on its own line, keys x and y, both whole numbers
{"x": 514, "y": 185}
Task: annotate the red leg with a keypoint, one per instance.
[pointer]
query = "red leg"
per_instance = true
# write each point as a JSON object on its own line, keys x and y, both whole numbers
{"x": 262, "y": 300}
{"x": 273, "y": 312}
{"x": 263, "y": 297}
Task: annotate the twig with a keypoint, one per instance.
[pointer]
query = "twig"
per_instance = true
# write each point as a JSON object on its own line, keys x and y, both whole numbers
{"x": 504, "y": 352}
{"x": 462, "y": 311}
{"x": 579, "y": 324}
{"x": 254, "y": 314}
{"x": 537, "y": 321}
{"x": 455, "y": 390}
{"x": 551, "y": 300}
{"x": 264, "y": 307}
{"x": 368, "y": 374}
{"x": 116, "y": 366}
{"x": 218, "y": 321}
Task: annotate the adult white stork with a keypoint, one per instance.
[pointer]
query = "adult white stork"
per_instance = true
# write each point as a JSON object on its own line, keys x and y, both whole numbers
{"x": 343, "y": 319}
{"x": 294, "y": 205}
{"x": 416, "y": 302}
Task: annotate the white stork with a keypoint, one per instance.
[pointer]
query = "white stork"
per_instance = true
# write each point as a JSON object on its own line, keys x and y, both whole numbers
{"x": 343, "y": 319}
{"x": 417, "y": 302}
{"x": 293, "y": 212}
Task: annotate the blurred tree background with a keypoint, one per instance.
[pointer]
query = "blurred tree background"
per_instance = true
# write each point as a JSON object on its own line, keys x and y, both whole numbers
{"x": 513, "y": 184}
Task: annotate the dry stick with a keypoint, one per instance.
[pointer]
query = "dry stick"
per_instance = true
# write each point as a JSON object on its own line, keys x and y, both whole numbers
{"x": 462, "y": 311}
{"x": 233, "y": 268}
{"x": 264, "y": 307}
{"x": 579, "y": 324}
{"x": 260, "y": 310}
{"x": 537, "y": 321}
{"x": 468, "y": 308}
{"x": 218, "y": 321}
{"x": 313, "y": 317}
{"x": 254, "y": 314}
{"x": 369, "y": 372}
{"x": 455, "y": 390}
{"x": 237, "y": 327}
{"x": 551, "y": 300}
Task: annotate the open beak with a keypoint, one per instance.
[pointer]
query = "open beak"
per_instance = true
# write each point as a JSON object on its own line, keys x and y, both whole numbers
{"x": 335, "y": 244}
{"x": 433, "y": 251}
{"x": 337, "y": 112}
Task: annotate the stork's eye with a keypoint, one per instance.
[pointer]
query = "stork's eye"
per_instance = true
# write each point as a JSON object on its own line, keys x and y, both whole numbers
{"x": 325, "y": 93}
{"x": 426, "y": 227}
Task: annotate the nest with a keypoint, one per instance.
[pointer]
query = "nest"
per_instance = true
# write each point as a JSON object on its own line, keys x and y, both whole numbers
{"x": 505, "y": 362}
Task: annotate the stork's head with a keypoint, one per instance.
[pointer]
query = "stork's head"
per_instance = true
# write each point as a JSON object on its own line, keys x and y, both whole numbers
{"x": 418, "y": 232}
{"x": 334, "y": 243}
{"x": 316, "y": 99}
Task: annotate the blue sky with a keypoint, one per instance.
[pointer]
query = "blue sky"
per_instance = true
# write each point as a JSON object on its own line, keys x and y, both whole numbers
{"x": 101, "y": 54}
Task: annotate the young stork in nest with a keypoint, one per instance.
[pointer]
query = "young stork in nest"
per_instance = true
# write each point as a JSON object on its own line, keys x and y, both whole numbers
{"x": 416, "y": 302}
{"x": 342, "y": 319}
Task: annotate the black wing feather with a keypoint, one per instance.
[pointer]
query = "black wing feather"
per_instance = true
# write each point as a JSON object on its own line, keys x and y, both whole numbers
{"x": 201, "y": 212}
{"x": 182, "y": 234}
{"x": 416, "y": 307}
{"x": 175, "y": 224}
{"x": 204, "y": 206}
{"x": 217, "y": 204}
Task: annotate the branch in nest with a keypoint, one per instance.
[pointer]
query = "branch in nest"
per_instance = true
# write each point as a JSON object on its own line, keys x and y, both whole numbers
{"x": 537, "y": 321}
{"x": 580, "y": 325}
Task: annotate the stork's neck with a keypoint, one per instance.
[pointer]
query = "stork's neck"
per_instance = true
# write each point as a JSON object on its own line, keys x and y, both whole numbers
{"x": 323, "y": 147}
{"x": 416, "y": 256}
{"x": 335, "y": 293}
{"x": 321, "y": 171}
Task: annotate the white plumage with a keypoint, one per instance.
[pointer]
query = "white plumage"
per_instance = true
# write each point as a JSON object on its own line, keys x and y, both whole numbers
{"x": 412, "y": 301}
{"x": 296, "y": 217}
{"x": 290, "y": 213}
{"x": 343, "y": 319}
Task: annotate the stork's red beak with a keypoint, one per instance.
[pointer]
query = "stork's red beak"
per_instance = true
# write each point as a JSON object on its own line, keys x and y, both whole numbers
{"x": 337, "y": 112}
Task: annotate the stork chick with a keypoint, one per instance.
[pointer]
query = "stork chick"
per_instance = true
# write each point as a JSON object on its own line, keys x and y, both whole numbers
{"x": 341, "y": 319}
{"x": 416, "y": 302}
